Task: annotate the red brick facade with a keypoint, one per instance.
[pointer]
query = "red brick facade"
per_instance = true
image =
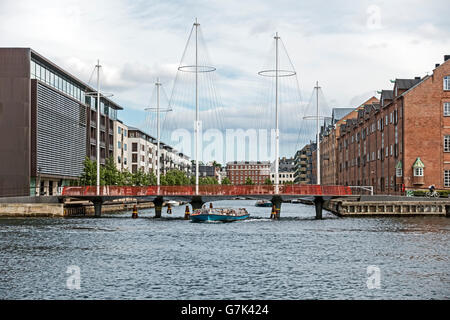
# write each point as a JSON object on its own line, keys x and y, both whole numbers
{"x": 258, "y": 171}
{"x": 380, "y": 146}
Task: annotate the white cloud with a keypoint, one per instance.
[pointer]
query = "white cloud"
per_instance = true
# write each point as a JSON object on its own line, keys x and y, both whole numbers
{"x": 138, "y": 41}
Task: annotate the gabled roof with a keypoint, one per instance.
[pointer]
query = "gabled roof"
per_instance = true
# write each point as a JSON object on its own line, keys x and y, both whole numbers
{"x": 418, "y": 164}
{"x": 338, "y": 113}
{"x": 405, "y": 84}
{"x": 387, "y": 94}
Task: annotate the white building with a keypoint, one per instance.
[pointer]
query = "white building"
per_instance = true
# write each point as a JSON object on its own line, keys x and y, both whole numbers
{"x": 286, "y": 171}
{"x": 121, "y": 158}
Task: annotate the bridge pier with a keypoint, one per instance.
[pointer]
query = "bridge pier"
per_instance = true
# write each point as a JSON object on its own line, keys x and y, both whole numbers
{"x": 197, "y": 203}
{"x": 158, "y": 202}
{"x": 277, "y": 201}
{"x": 97, "y": 208}
{"x": 318, "y": 203}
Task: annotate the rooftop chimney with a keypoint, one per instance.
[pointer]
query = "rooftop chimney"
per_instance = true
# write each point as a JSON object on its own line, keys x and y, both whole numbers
{"x": 446, "y": 57}
{"x": 417, "y": 78}
{"x": 437, "y": 65}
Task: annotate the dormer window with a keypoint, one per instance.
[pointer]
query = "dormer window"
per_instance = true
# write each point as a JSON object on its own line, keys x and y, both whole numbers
{"x": 418, "y": 172}
{"x": 447, "y": 83}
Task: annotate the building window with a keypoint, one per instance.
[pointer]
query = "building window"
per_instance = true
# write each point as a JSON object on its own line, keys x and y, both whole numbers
{"x": 446, "y": 178}
{"x": 447, "y": 83}
{"x": 119, "y": 130}
{"x": 119, "y": 145}
{"x": 446, "y": 143}
{"x": 418, "y": 172}
{"x": 447, "y": 109}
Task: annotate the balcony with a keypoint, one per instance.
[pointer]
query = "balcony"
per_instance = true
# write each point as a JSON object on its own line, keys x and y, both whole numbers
{"x": 93, "y": 141}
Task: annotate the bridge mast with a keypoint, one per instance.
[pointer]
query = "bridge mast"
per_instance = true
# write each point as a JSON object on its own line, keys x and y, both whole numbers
{"x": 197, "y": 125}
{"x": 318, "y": 132}
{"x": 98, "y": 127}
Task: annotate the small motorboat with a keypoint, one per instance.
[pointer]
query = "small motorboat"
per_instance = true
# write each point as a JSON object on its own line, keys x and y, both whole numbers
{"x": 172, "y": 203}
{"x": 219, "y": 214}
{"x": 263, "y": 203}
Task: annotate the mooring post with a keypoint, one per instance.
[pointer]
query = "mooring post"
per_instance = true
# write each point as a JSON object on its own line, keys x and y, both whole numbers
{"x": 158, "y": 202}
{"x": 447, "y": 211}
{"x": 97, "y": 207}
{"x": 276, "y": 202}
{"x": 318, "y": 202}
{"x": 197, "y": 203}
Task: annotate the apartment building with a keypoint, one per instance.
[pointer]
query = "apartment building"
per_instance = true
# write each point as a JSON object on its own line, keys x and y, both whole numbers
{"x": 121, "y": 146}
{"x": 303, "y": 159}
{"x": 143, "y": 154}
{"x": 330, "y": 131}
{"x": 239, "y": 171}
{"x": 402, "y": 142}
{"x": 48, "y": 124}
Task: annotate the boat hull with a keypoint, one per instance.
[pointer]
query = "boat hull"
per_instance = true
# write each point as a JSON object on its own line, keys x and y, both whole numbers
{"x": 217, "y": 217}
{"x": 265, "y": 204}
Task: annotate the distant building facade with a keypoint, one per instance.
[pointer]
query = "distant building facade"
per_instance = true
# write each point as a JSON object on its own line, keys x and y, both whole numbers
{"x": 286, "y": 171}
{"x": 303, "y": 165}
{"x": 239, "y": 171}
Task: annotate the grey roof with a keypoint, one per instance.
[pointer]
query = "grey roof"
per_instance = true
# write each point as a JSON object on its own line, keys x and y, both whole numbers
{"x": 405, "y": 84}
{"x": 387, "y": 94}
{"x": 339, "y": 113}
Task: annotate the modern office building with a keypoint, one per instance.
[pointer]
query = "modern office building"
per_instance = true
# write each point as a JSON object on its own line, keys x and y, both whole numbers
{"x": 239, "y": 171}
{"x": 47, "y": 123}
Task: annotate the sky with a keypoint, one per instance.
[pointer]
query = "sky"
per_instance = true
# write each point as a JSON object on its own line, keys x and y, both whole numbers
{"x": 352, "y": 48}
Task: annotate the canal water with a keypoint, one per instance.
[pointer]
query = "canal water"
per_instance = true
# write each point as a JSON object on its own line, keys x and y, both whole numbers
{"x": 170, "y": 258}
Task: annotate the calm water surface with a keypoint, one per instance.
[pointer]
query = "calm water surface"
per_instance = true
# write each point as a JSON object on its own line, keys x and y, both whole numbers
{"x": 169, "y": 258}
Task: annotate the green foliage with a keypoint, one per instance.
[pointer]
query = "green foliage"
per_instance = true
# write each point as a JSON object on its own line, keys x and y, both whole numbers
{"x": 422, "y": 193}
{"x": 89, "y": 175}
{"x": 249, "y": 181}
{"x": 267, "y": 181}
{"x": 226, "y": 181}
{"x": 109, "y": 173}
{"x": 175, "y": 178}
{"x": 207, "y": 180}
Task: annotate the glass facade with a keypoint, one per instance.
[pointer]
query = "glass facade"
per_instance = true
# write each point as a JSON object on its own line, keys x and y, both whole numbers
{"x": 60, "y": 82}
{"x": 56, "y": 80}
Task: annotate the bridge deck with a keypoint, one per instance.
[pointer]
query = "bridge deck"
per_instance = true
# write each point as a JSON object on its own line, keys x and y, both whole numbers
{"x": 208, "y": 190}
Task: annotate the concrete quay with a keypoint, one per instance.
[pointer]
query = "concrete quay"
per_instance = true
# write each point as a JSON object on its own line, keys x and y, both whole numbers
{"x": 389, "y": 206}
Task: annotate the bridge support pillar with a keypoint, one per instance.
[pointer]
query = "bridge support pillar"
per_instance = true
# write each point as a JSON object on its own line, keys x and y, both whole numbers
{"x": 318, "y": 203}
{"x": 158, "y": 202}
{"x": 277, "y": 201}
{"x": 97, "y": 208}
{"x": 197, "y": 203}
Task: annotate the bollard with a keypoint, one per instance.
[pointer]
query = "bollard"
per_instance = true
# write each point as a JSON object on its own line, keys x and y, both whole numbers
{"x": 169, "y": 209}
{"x": 210, "y": 205}
{"x": 135, "y": 212}
{"x": 273, "y": 213}
{"x": 187, "y": 213}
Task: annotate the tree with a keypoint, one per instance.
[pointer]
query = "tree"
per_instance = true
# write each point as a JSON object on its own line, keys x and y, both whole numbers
{"x": 267, "y": 181}
{"x": 125, "y": 178}
{"x": 109, "y": 173}
{"x": 139, "y": 178}
{"x": 249, "y": 181}
{"x": 89, "y": 175}
{"x": 226, "y": 181}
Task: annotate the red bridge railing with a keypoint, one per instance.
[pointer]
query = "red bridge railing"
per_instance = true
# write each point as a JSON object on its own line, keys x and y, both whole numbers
{"x": 208, "y": 190}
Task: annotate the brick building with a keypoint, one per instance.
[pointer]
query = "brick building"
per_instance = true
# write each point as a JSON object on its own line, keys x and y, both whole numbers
{"x": 239, "y": 171}
{"x": 402, "y": 141}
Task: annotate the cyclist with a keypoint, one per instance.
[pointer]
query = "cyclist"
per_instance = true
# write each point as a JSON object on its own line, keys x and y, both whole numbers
{"x": 432, "y": 188}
